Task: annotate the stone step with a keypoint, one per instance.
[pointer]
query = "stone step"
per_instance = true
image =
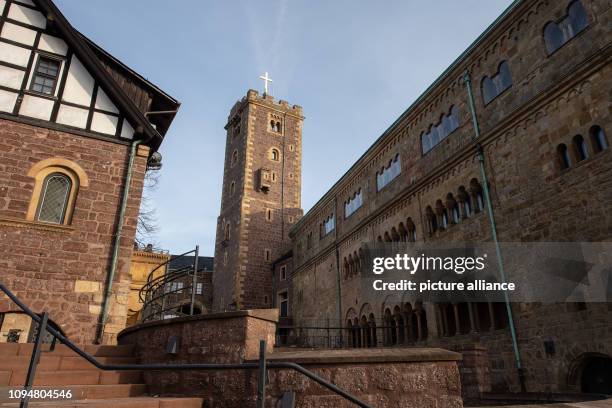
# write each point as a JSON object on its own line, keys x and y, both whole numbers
{"x": 135, "y": 402}
{"x": 52, "y": 362}
{"x": 25, "y": 349}
{"x": 71, "y": 377}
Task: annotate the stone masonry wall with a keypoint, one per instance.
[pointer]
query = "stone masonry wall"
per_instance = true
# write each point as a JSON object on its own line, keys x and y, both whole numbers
{"x": 411, "y": 378}
{"x": 62, "y": 269}
{"x": 552, "y": 99}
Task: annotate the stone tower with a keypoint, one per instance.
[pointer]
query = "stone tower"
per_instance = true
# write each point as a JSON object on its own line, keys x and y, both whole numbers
{"x": 260, "y": 201}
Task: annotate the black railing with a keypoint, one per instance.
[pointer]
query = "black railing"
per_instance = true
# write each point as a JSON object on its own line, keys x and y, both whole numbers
{"x": 329, "y": 333}
{"x": 167, "y": 291}
{"x": 263, "y": 365}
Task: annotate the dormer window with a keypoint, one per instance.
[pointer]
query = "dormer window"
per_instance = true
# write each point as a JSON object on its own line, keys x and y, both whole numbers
{"x": 45, "y": 75}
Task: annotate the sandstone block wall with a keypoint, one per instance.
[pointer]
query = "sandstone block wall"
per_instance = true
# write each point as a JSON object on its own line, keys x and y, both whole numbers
{"x": 62, "y": 269}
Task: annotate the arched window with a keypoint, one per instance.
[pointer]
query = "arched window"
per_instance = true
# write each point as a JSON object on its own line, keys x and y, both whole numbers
{"x": 234, "y": 158}
{"x": 553, "y": 37}
{"x": 57, "y": 182}
{"x": 564, "y": 158}
{"x": 480, "y": 200}
{"x": 274, "y": 155}
{"x": 556, "y": 34}
{"x": 580, "y": 148}
{"x": 599, "y": 142}
{"x": 456, "y": 214}
{"x": 54, "y": 199}
{"x": 503, "y": 77}
{"x": 488, "y": 90}
{"x": 577, "y": 16}
{"x": 232, "y": 188}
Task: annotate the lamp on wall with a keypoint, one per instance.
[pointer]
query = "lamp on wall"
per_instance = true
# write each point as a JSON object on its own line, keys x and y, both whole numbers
{"x": 155, "y": 161}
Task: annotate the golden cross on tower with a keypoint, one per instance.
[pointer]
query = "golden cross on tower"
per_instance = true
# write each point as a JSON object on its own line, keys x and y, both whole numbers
{"x": 266, "y": 79}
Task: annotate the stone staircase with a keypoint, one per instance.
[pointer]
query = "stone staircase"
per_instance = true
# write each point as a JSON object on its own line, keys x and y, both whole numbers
{"x": 91, "y": 387}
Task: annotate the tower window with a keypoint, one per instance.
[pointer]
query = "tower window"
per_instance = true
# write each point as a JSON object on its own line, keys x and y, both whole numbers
{"x": 283, "y": 301}
{"x": 45, "y": 75}
{"x": 598, "y": 139}
{"x": 564, "y": 158}
{"x": 283, "y": 272}
{"x": 274, "y": 155}
{"x": 276, "y": 125}
{"x": 232, "y": 188}
{"x": 267, "y": 255}
{"x": 268, "y": 214}
{"x": 234, "y": 158}
{"x": 580, "y": 148}
{"x": 54, "y": 198}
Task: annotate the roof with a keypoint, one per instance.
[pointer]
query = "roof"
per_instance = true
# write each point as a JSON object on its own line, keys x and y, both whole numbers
{"x": 84, "y": 50}
{"x": 458, "y": 61}
{"x": 204, "y": 262}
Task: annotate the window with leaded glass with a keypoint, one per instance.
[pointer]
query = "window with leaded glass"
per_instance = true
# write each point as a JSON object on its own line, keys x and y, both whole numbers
{"x": 54, "y": 198}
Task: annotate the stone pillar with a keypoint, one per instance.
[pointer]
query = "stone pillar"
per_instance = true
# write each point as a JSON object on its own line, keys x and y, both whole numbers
{"x": 475, "y": 373}
{"x": 472, "y": 320}
{"x": 457, "y": 321}
{"x": 492, "y": 317}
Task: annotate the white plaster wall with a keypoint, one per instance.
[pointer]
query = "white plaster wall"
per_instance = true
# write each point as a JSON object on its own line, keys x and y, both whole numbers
{"x": 18, "y": 33}
{"x": 52, "y": 44}
{"x": 7, "y": 101}
{"x": 11, "y": 77}
{"x": 104, "y": 123}
{"x": 2, "y": 5}
{"x": 71, "y": 116}
{"x": 127, "y": 131}
{"x": 79, "y": 84}
{"x": 27, "y": 16}
{"x": 14, "y": 54}
{"x": 103, "y": 102}
{"x": 36, "y": 107}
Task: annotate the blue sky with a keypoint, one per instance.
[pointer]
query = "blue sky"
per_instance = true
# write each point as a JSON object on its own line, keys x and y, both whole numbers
{"x": 354, "y": 66}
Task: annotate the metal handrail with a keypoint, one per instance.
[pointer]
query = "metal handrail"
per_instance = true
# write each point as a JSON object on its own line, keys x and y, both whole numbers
{"x": 42, "y": 321}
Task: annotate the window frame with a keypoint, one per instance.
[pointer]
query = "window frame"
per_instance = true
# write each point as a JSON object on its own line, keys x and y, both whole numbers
{"x": 35, "y": 73}
{"x": 39, "y": 173}
{"x": 43, "y": 194}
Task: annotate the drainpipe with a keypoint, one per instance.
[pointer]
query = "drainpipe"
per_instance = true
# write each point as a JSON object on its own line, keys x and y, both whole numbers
{"x": 116, "y": 244}
{"x": 487, "y": 197}
{"x": 338, "y": 280}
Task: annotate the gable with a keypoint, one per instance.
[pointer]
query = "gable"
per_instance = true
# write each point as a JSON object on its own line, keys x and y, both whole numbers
{"x": 43, "y": 78}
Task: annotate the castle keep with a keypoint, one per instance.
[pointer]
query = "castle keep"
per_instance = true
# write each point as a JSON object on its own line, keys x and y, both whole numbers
{"x": 261, "y": 199}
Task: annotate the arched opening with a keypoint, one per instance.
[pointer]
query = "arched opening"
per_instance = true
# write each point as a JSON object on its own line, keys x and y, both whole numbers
{"x": 580, "y": 148}
{"x": 564, "y": 157}
{"x": 482, "y": 314}
{"x": 595, "y": 373}
{"x": 399, "y": 321}
{"x": 372, "y": 324}
{"x": 464, "y": 317}
{"x": 500, "y": 315}
{"x": 599, "y": 141}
